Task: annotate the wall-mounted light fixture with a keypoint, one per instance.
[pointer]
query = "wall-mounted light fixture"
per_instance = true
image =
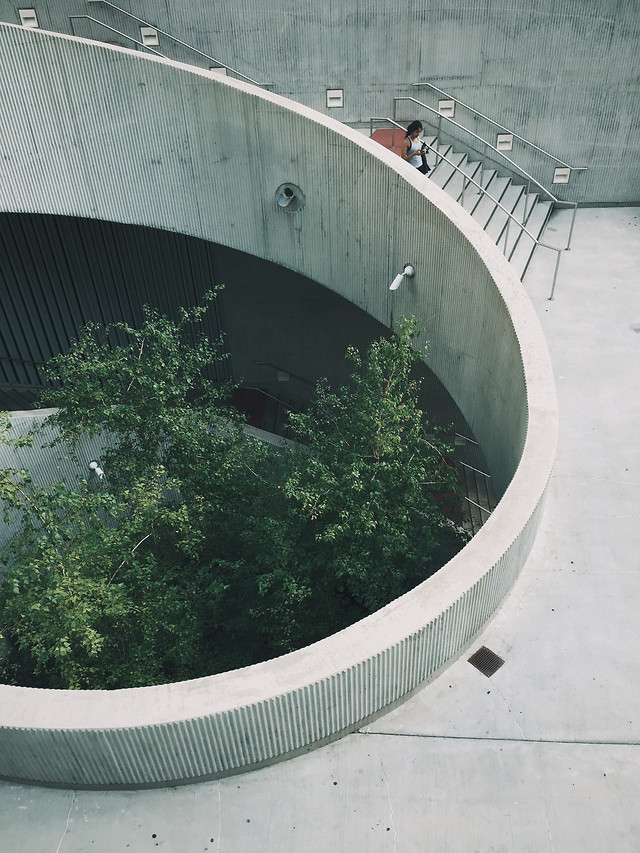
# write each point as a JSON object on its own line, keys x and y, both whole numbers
{"x": 447, "y": 108}
{"x": 149, "y": 36}
{"x": 504, "y": 142}
{"x": 28, "y": 18}
{"x": 286, "y": 197}
{"x": 561, "y": 175}
{"x": 335, "y": 98}
{"x": 407, "y": 272}
{"x": 97, "y": 470}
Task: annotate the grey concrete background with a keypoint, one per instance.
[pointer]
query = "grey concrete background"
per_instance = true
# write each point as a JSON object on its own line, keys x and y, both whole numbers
{"x": 561, "y": 74}
{"x": 543, "y": 757}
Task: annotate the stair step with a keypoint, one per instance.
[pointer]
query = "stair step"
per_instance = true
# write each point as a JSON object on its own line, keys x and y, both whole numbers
{"x": 458, "y": 181}
{"x": 446, "y": 173}
{"x": 497, "y": 225}
{"x": 521, "y": 253}
{"x": 473, "y": 196}
{"x": 471, "y": 169}
{"x": 538, "y": 217}
{"x": 440, "y": 170}
{"x": 486, "y": 207}
{"x": 521, "y": 211}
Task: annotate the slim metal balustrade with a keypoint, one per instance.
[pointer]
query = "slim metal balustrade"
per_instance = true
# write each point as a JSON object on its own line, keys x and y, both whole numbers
{"x": 216, "y": 62}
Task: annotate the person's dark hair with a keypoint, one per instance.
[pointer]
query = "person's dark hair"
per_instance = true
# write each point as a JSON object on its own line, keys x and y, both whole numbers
{"x": 415, "y": 125}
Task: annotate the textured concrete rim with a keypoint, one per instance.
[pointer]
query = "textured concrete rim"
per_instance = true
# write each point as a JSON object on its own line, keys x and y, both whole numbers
{"x": 42, "y": 717}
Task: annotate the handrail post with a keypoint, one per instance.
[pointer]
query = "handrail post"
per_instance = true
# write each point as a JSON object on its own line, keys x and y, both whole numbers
{"x": 526, "y": 202}
{"x": 555, "y": 274}
{"x": 573, "y": 219}
{"x": 438, "y": 136}
{"x": 506, "y": 236}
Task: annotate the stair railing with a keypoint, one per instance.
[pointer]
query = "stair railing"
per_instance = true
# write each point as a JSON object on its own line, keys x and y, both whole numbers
{"x": 504, "y": 130}
{"x": 485, "y": 479}
{"x": 113, "y": 30}
{"x": 211, "y": 59}
{"x": 484, "y": 144}
{"x": 466, "y": 180}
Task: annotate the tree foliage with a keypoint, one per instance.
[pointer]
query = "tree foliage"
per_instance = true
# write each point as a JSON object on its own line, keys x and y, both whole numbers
{"x": 371, "y": 480}
{"x": 203, "y": 549}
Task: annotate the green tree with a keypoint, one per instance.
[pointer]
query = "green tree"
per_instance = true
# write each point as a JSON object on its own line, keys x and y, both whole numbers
{"x": 371, "y": 479}
{"x": 202, "y": 549}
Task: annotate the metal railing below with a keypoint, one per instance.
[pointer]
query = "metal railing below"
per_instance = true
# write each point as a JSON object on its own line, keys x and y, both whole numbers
{"x": 467, "y": 180}
{"x": 477, "y": 483}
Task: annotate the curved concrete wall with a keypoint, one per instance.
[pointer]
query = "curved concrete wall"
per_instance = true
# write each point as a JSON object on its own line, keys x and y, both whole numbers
{"x": 119, "y": 136}
{"x": 563, "y": 75}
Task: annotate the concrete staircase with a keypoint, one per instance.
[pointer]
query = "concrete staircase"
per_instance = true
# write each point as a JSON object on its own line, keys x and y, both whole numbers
{"x": 499, "y": 189}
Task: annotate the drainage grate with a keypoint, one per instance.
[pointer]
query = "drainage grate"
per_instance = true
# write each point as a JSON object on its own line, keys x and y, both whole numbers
{"x": 486, "y": 661}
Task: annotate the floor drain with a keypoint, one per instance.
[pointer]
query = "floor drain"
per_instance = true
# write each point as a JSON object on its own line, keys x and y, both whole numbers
{"x": 486, "y": 661}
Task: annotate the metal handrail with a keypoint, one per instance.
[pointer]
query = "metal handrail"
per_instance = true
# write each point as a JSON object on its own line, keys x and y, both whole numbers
{"x": 477, "y": 470}
{"x": 483, "y": 508}
{"x": 480, "y": 139}
{"x": 117, "y": 32}
{"x": 273, "y": 397}
{"x": 440, "y": 156}
{"x": 466, "y": 180}
{"x": 173, "y": 38}
{"x": 502, "y": 127}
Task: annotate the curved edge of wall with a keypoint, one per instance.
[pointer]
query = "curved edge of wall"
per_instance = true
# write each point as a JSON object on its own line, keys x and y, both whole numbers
{"x": 485, "y": 335}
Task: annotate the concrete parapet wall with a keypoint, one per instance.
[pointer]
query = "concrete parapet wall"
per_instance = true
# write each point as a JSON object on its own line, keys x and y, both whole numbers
{"x": 127, "y": 138}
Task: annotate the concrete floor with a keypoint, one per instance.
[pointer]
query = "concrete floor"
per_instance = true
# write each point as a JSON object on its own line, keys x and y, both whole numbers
{"x": 544, "y": 755}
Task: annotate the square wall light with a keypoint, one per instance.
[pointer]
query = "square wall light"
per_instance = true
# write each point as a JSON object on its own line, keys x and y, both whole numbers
{"x": 28, "y": 18}
{"x": 504, "y": 142}
{"x": 149, "y": 36}
{"x": 561, "y": 175}
{"x": 447, "y": 108}
{"x": 335, "y": 98}
{"x": 218, "y": 69}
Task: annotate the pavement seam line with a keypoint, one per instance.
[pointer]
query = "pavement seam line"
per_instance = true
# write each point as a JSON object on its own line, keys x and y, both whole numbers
{"x": 531, "y": 741}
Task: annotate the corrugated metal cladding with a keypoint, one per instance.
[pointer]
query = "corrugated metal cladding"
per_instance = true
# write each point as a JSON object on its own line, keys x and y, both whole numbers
{"x": 116, "y": 137}
{"x": 59, "y": 273}
{"x": 563, "y": 75}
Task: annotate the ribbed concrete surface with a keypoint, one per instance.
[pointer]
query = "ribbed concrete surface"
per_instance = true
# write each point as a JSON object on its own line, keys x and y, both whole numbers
{"x": 541, "y": 757}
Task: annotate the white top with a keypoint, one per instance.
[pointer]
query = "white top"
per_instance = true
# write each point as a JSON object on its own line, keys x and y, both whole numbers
{"x": 414, "y": 148}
